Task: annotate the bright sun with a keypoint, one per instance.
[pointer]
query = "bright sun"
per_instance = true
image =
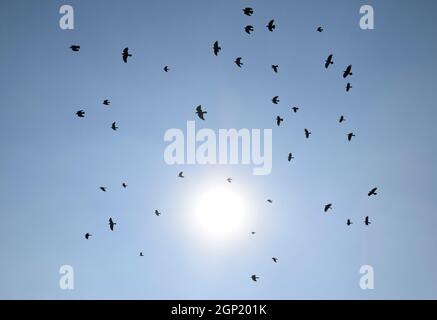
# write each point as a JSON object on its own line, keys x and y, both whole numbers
{"x": 220, "y": 212}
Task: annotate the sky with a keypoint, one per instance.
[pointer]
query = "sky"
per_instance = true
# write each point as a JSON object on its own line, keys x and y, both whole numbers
{"x": 52, "y": 163}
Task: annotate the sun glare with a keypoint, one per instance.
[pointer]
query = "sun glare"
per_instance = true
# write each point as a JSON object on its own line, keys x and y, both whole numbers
{"x": 220, "y": 213}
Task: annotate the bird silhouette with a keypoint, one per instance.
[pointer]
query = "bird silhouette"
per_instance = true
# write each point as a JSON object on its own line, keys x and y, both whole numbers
{"x": 253, "y": 232}
{"x": 307, "y": 133}
{"x": 295, "y": 109}
{"x": 111, "y": 224}
{"x": 349, "y": 136}
{"x": 342, "y": 119}
{"x": 329, "y": 61}
{"x": 114, "y": 127}
{"x": 126, "y": 54}
{"x": 254, "y": 277}
{"x": 106, "y": 102}
{"x": 124, "y": 185}
{"x": 141, "y": 254}
{"x": 275, "y": 68}
{"x": 320, "y": 29}
{"x": 166, "y": 69}
{"x": 275, "y": 259}
{"x": 75, "y": 47}
{"x": 275, "y": 99}
{"x": 366, "y": 221}
{"x": 248, "y": 29}
{"x": 216, "y": 48}
{"x": 80, "y": 113}
{"x": 238, "y": 62}
{"x": 349, "y": 222}
{"x": 181, "y": 174}
{"x": 87, "y": 235}
{"x": 348, "y": 87}
{"x": 269, "y": 201}
{"x": 347, "y": 72}
{"x": 103, "y": 189}
{"x": 279, "y": 120}
{"x": 248, "y": 11}
{"x": 271, "y": 25}
{"x": 229, "y": 180}
{"x": 290, "y": 157}
{"x": 200, "y": 113}
{"x": 328, "y": 207}
{"x": 372, "y": 192}
{"x": 157, "y": 213}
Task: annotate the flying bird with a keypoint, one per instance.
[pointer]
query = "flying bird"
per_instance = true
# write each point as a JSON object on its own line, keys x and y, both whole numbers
{"x": 111, "y": 224}
{"x": 366, "y": 221}
{"x": 320, "y": 29}
{"x": 279, "y": 120}
{"x": 229, "y": 180}
{"x": 114, "y": 127}
{"x": 349, "y": 222}
{"x": 87, "y": 235}
{"x": 290, "y": 157}
{"x": 347, "y": 72}
{"x": 124, "y": 185}
{"x": 329, "y": 61}
{"x": 166, "y": 69}
{"x": 349, "y": 136}
{"x": 254, "y": 277}
{"x": 307, "y": 133}
{"x": 275, "y": 259}
{"x": 200, "y": 112}
{"x": 141, "y": 254}
{"x": 269, "y": 201}
{"x": 248, "y": 29}
{"x": 372, "y": 192}
{"x": 75, "y": 48}
{"x": 271, "y": 25}
{"x": 181, "y": 174}
{"x": 103, "y": 189}
{"x": 275, "y": 68}
{"x": 216, "y": 48}
{"x": 106, "y": 102}
{"x": 80, "y": 113}
{"x": 248, "y": 11}
{"x": 126, "y": 54}
{"x": 348, "y": 87}
{"x": 275, "y": 99}
{"x": 157, "y": 213}
{"x": 341, "y": 119}
{"x": 328, "y": 206}
{"x": 253, "y": 232}
{"x": 238, "y": 62}
{"x": 295, "y": 109}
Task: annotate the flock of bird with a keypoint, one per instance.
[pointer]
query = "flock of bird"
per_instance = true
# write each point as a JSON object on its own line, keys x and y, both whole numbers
{"x": 275, "y": 100}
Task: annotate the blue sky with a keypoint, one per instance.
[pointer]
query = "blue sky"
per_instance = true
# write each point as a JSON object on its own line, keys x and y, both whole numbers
{"x": 52, "y": 162}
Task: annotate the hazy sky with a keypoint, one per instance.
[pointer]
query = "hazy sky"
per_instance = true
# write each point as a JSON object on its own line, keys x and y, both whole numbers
{"x": 52, "y": 162}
